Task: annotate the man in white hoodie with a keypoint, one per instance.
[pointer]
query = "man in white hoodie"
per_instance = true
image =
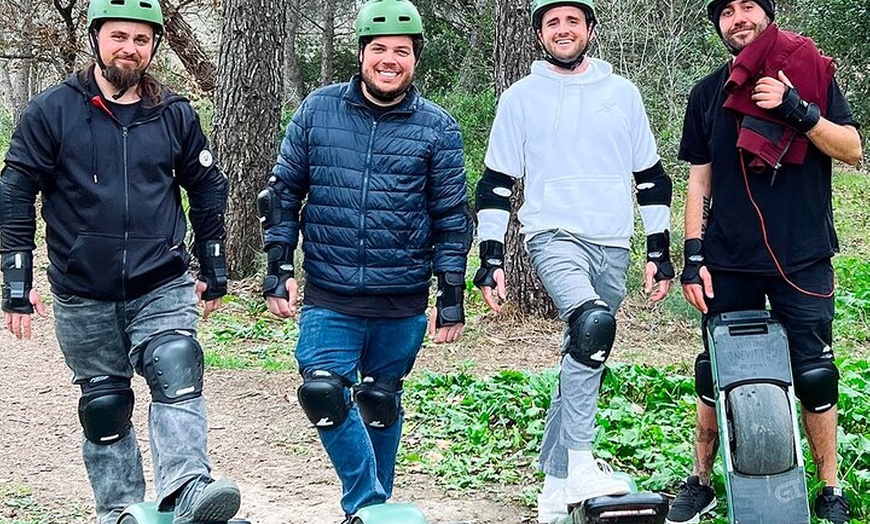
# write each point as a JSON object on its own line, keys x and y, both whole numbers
{"x": 580, "y": 136}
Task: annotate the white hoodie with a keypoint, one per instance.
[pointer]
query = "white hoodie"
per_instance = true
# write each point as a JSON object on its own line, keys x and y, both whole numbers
{"x": 576, "y": 139}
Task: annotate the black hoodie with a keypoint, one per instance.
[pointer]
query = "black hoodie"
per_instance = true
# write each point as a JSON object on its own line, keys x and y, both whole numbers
{"x": 111, "y": 199}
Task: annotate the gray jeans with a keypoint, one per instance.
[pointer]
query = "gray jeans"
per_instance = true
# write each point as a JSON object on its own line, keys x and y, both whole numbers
{"x": 574, "y": 272}
{"x": 107, "y": 338}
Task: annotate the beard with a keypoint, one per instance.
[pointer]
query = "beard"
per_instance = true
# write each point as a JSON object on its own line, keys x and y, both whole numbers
{"x": 121, "y": 77}
{"x": 382, "y": 95}
{"x": 735, "y": 46}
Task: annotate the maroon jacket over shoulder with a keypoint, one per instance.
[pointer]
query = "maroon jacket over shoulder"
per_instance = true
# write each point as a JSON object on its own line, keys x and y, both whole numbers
{"x": 768, "y": 140}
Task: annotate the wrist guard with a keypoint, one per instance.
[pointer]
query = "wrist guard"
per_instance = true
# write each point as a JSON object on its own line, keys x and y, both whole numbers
{"x": 796, "y": 112}
{"x": 491, "y": 258}
{"x": 17, "y": 282}
{"x": 212, "y": 268}
{"x": 658, "y": 251}
{"x": 279, "y": 270}
{"x": 694, "y": 261}
{"x": 449, "y": 301}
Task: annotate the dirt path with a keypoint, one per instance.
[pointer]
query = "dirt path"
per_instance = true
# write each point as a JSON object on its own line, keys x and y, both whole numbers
{"x": 257, "y": 436}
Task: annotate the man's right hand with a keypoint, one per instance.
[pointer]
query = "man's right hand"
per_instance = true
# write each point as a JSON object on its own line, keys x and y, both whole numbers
{"x": 279, "y": 285}
{"x": 19, "y": 323}
{"x": 696, "y": 280}
{"x": 285, "y": 307}
{"x": 491, "y": 273}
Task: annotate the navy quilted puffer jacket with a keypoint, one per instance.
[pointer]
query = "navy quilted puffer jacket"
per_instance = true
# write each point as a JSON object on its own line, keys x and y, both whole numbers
{"x": 386, "y": 198}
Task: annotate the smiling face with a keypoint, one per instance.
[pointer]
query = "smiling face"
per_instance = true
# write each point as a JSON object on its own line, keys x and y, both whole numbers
{"x": 740, "y": 23}
{"x": 387, "y": 64}
{"x": 564, "y": 32}
{"x": 125, "y": 48}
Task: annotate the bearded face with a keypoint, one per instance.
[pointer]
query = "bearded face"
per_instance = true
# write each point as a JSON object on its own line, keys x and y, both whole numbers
{"x": 741, "y": 22}
{"x": 387, "y": 64}
{"x": 126, "y": 49}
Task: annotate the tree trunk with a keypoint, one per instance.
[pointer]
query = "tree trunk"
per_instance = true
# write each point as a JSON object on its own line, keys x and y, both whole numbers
{"x": 181, "y": 38}
{"x": 22, "y": 86}
{"x": 293, "y": 89}
{"x": 247, "y": 118}
{"x": 514, "y": 50}
{"x": 327, "y": 63}
{"x": 5, "y": 86}
{"x": 21, "y": 67}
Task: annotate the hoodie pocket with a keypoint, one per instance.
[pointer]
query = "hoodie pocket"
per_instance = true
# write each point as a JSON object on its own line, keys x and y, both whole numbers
{"x": 107, "y": 267}
{"x": 152, "y": 262}
{"x": 95, "y": 266}
{"x": 596, "y": 207}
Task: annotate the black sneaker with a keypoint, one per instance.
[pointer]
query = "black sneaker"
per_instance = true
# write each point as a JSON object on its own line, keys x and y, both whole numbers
{"x": 693, "y": 500}
{"x": 207, "y": 500}
{"x": 832, "y": 505}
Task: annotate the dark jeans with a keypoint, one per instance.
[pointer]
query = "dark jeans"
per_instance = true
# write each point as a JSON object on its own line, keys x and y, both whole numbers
{"x": 807, "y": 319}
{"x": 107, "y": 338}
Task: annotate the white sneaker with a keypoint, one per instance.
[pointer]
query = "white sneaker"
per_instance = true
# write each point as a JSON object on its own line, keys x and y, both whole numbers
{"x": 593, "y": 480}
{"x": 552, "y": 507}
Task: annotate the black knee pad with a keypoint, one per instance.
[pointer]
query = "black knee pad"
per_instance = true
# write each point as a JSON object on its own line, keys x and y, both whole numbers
{"x": 704, "y": 379}
{"x": 105, "y": 409}
{"x": 816, "y": 385}
{"x": 172, "y": 363}
{"x": 378, "y": 401}
{"x": 322, "y": 397}
{"x": 591, "y": 331}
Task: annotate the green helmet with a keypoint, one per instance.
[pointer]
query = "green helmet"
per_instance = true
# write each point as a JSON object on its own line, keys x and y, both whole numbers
{"x": 539, "y": 7}
{"x": 388, "y": 17}
{"x": 139, "y": 10}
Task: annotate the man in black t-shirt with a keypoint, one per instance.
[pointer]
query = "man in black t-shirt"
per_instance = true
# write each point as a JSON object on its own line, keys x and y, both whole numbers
{"x": 759, "y": 232}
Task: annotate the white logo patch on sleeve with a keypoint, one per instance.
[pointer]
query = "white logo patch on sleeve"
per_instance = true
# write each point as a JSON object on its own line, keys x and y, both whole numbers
{"x": 205, "y": 158}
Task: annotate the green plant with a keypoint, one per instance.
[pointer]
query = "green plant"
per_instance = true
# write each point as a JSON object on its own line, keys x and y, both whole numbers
{"x": 473, "y": 431}
{"x": 470, "y": 431}
{"x": 852, "y": 301}
{"x": 244, "y": 334}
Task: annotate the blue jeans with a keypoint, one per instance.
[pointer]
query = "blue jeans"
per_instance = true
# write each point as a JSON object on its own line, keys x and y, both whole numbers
{"x": 107, "y": 338}
{"x": 385, "y": 348}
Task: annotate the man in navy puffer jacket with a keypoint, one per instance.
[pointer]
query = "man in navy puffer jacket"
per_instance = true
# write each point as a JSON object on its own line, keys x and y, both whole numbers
{"x": 382, "y": 170}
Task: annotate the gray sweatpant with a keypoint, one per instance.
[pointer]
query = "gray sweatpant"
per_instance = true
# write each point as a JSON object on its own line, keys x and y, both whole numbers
{"x": 574, "y": 271}
{"x": 107, "y": 338}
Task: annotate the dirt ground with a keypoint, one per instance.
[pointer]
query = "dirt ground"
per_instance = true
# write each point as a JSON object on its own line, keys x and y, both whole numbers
{"x": 259, "y": 436}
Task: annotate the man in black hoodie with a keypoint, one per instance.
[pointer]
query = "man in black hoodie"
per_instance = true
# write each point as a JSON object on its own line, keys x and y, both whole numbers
{"x": 110, "y": 149}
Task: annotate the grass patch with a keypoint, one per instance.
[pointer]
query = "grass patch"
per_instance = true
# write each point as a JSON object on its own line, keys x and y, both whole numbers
{"x": 243, "y": 334}
{"x": 852, "y": 305}
{"x": 472, "y": 431}
{"x": 18, "y": 506}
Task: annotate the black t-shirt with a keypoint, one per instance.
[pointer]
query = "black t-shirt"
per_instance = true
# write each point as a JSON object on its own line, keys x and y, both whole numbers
{"x": 385, "y": 306}
{"x": 125, "y": 113}
{"x": 379, "y": 111}
{"x": 795, "y": 203}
